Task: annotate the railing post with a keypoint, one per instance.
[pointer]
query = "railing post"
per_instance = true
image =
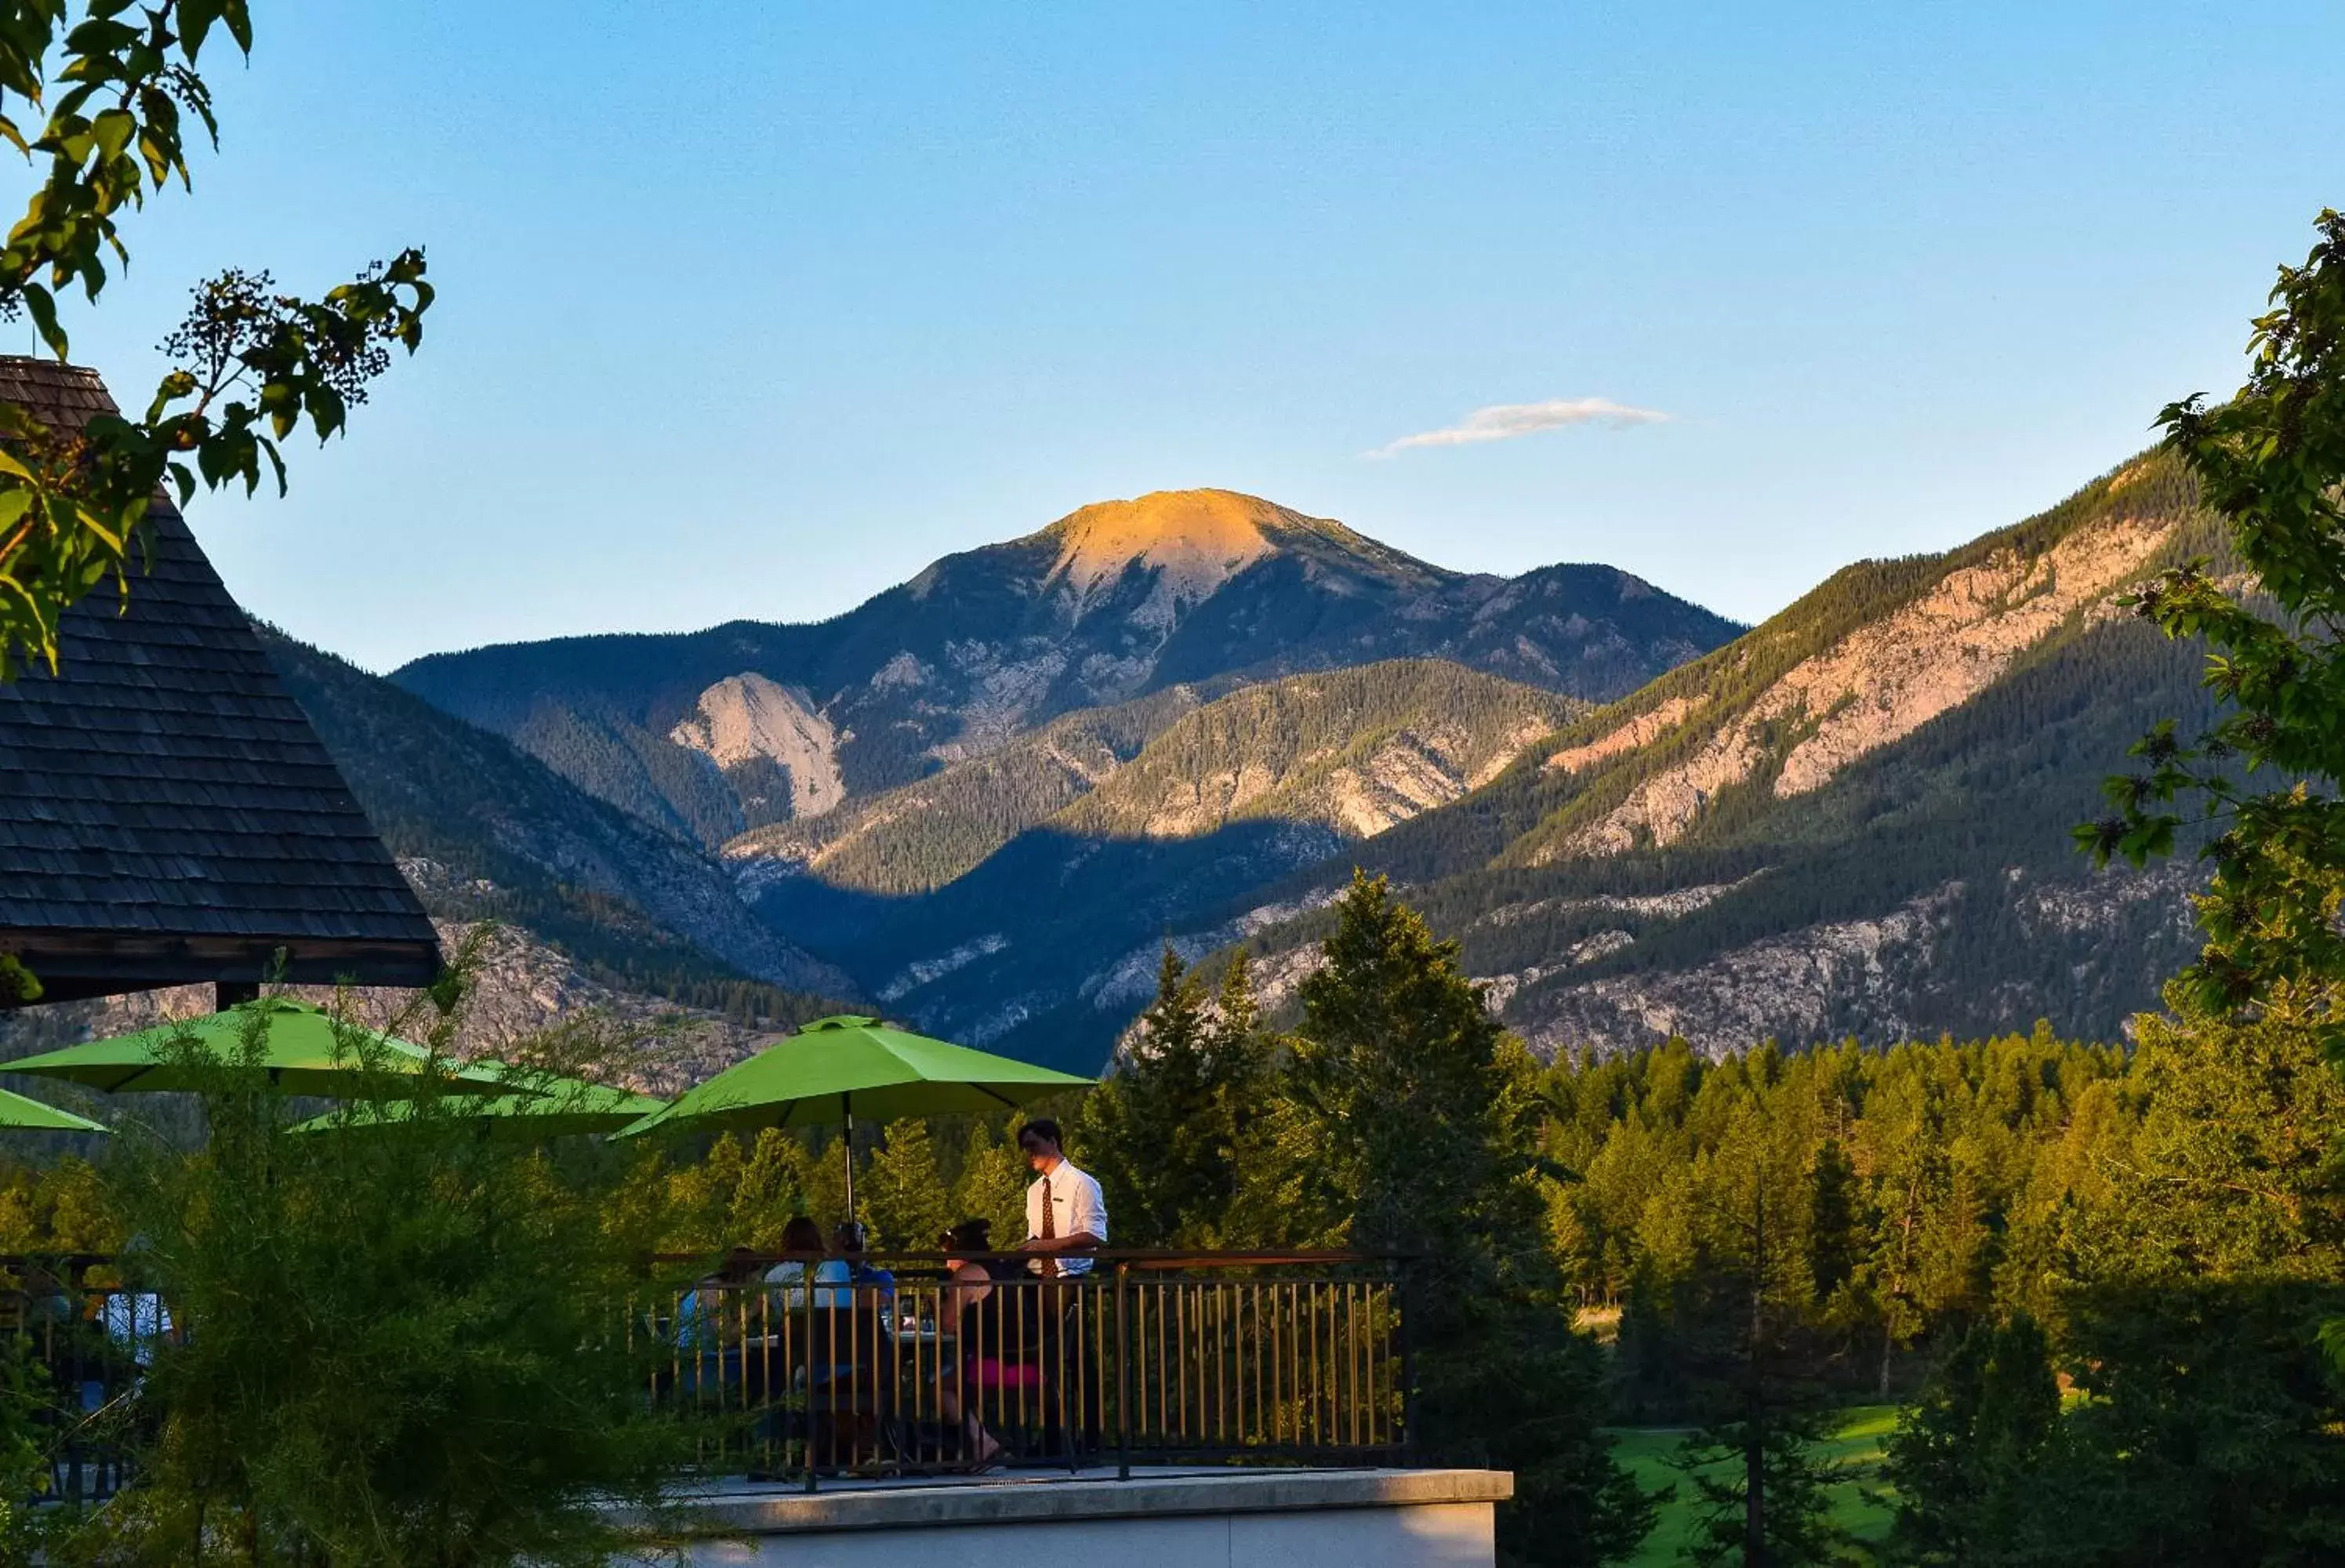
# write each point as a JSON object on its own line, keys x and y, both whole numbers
{"x": 811, "y": 1422}
{"x": 1123, "y": 1375}
{"x": 1407, "y": 1364}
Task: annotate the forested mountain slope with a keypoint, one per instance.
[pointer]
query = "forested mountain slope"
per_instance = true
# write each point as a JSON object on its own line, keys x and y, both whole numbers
{"x": 1069, "y": 912}
{"x": 712, "y": 734}
{"x": 921, "y": 835}
{"x": 1853, "y": 819}
{"x": 1355, "y": 751}
{"x": 485, "y": 831}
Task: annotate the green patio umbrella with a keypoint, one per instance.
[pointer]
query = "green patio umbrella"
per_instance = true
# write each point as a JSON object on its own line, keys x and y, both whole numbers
{"x": 552, "y": 1106}
{"x": 302, "y": 1055}
{"x": 838, "y": 1069}
{"x": 22, "y": 1111}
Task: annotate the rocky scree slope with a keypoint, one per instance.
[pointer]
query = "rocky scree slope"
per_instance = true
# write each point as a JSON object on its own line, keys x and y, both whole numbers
{"x": 1854, "y": 820}
{"x": 712, "y": 734}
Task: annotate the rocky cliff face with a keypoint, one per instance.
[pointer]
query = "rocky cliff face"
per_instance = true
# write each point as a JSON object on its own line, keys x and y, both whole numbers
{"x": 745, "y": 719}
{"x": 1880, "y": 683}
{"x": 1888, "y": 977}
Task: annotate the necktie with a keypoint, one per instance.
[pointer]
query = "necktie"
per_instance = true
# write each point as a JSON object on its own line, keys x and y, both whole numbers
{"x": 1050, "y": 1228}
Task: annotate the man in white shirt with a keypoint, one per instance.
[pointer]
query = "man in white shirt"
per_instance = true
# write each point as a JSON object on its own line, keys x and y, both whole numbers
{"x": 1065, "y": 1214}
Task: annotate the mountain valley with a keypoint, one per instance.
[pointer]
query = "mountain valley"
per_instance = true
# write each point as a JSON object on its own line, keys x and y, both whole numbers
{"x": 986, "y": 800}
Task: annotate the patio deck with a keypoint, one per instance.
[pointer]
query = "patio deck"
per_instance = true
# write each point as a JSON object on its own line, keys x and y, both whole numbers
{"x": 1165, "y": 1517}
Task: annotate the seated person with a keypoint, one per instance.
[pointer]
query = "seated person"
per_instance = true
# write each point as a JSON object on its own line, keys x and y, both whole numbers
{"x": 803, "y": 1238}
{"x": 710, "y": 1315}
{"x": 972, "y": 1303}
{"x": 713, "y": 1319}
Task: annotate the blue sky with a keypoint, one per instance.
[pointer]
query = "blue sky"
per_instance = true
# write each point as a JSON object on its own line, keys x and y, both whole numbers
{"x": 752, "y": 310}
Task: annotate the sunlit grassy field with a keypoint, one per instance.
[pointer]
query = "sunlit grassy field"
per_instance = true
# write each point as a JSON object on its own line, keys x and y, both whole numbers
{"x": 1854, "y": 1448}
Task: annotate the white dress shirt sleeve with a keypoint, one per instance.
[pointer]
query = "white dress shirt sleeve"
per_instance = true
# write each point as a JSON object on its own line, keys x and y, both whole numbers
{"x": 1086, "y": 1207}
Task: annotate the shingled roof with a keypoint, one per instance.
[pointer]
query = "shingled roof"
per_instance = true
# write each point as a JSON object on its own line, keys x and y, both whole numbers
{"x": 166, "y": 813}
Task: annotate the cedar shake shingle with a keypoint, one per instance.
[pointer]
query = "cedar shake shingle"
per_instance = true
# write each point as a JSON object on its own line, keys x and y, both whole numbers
{"x": 166, "y": 813}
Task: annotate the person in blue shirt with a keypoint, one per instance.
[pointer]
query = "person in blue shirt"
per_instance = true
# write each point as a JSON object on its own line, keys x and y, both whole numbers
{"x": 709, "y": 1318}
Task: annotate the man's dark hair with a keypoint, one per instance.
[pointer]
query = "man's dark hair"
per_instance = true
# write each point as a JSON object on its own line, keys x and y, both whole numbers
{"x": 1041, "y": 1127}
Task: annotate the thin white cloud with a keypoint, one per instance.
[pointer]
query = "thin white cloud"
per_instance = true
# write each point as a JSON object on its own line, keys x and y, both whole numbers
{"x": 1505, "y": 421}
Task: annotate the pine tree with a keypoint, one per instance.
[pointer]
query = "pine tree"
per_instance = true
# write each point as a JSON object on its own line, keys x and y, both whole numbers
{"x": 1140, "y": 1128}
{"x": 1835, "y": 1223}
{"x": 1761, "y": 1488}
{"x": 2201, "y": 1289}
{"x": 1980, "y": 1455}
{"x": 1753, "y": 1353}
{"x": 1166, "y": 1134}
{"x": 903, "y": 1195}
{"x": 768, "y": 1191}
{"x": 1414, "y": 1130}
{"x": 992, "y": 1186}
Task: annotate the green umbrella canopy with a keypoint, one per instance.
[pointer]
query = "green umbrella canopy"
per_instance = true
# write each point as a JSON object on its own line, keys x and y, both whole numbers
{"x": 300, "y": 1053}
{"x": 847, "y": 1068}
{"x": 21, "y": 1111}
{"x": 555, "y": 1106}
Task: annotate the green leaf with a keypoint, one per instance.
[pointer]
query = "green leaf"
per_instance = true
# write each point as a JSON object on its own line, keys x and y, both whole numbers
{"x": 196, "y": 19}
{"x": 112, "y": 131}
{"x": 43, "y": 308}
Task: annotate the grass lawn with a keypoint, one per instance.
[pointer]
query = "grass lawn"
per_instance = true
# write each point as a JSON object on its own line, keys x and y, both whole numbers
{"x": 1854, "y": 1447}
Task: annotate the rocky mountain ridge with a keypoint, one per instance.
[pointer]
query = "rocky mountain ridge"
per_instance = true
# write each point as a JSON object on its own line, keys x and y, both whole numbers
{"x": 521, "y": 987}
{"x": 1854, "y": 819}
{"x": 710, "y": 734}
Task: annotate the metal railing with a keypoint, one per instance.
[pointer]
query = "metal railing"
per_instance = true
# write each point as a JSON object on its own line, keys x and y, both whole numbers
{"x": 908, "y": 1368}
{"x": 1147, "y": 1359}
{"x": 75, "y": 1346}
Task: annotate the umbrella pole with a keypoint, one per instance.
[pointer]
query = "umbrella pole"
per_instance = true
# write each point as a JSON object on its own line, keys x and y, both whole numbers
{"x": 847, "y": 1143}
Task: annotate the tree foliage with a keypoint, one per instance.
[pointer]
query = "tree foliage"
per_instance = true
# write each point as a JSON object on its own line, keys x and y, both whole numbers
{"x": 1973, "y": 1454}
{"x": 1413, "y": 1127}
{"x": 2271, "y": 462}
{"x": 1171, "y": 1132}
{"x": 395, "y": 1343}
{"x": 105, "y": 105}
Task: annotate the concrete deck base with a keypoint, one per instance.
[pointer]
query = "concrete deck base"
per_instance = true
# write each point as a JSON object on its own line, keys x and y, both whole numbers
{"x": 1162, "y": 1519}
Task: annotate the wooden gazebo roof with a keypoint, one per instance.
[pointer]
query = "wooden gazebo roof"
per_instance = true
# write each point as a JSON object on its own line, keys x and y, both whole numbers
{"x": 166, "y": 813}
